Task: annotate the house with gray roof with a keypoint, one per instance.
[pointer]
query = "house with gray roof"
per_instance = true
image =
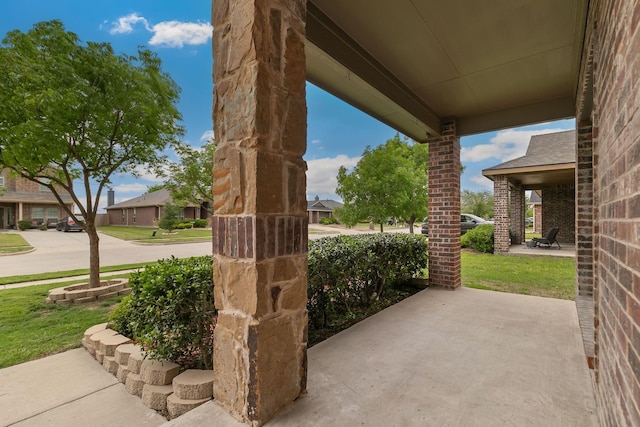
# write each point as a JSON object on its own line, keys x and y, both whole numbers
{"x": 548, "y": 168}
{"x": 146, "y": 210}
{"x": 318, "y": 209}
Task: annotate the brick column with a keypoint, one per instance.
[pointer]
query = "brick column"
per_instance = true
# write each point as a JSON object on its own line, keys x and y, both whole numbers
{"x": 260, "y": 218}
{"x": 518, "y": 208}
{"x": 501, "y": 214}
{"x": 584, "y": 208}
{"x": 444, "y": 208}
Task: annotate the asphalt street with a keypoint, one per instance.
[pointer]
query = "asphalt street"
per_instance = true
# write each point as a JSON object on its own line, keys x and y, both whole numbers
{"x": 59, "y": 251}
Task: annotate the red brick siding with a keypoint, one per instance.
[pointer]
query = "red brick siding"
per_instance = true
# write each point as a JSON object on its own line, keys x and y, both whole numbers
{"x": 584, "y": 208}
{"x": 444, "y": 208}
{"x": 617, "y": 198}
{"x": 558, "y": 210}
{"x": 501, "y": 214}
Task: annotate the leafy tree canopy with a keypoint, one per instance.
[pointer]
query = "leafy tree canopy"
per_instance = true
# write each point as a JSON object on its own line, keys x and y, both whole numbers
{"x": 191, "y": 180}
{"x": 477, "y": 203}
{"x": 77, "y": 112}
{"x": 389, "y": 181}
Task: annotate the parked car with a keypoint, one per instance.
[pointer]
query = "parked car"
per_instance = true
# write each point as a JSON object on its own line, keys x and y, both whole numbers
{"x": 52, "y": 222}
{"x": 68, "y": 224}
{"x": 467, "y": 222}
{"x": 528, "y": 221}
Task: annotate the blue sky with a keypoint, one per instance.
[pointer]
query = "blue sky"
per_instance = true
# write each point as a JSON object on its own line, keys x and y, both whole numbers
{"x": 179, "y": 32}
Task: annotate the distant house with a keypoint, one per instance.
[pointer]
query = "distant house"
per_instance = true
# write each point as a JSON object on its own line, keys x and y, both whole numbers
{"x": 318, "y": 209}
{"x": 21, "y": 199}
{"x": 535, "y": 201}
{"x": 146, "y": 210}
{"x": 548, "y": 168}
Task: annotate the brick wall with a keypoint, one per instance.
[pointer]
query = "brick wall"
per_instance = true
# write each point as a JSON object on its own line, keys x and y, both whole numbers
{"x": 444, "y": 208}
{"x": 501, "y": 214}
{"x": 584, "y": 208}
{"x": 518, "y": 208}
{"x": 558, "y": 210}
{"x": 617, "y": 207}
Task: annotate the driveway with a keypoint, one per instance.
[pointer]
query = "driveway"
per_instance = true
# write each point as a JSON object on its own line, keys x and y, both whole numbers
{"x": 58, "y": 251}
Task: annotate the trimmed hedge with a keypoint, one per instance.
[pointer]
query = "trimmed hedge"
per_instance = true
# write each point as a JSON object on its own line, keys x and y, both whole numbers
{"x": 170, "y": 311}
{"x": 479, "y": 239}
{"x": 349, "y": 272}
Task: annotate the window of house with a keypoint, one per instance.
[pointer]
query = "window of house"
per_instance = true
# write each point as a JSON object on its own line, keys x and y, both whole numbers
{"x": 37, "y": 214}
{"x": 43, "y": 188}
{"x": 1, "y": 181}
{"x": 181, "y": 215}
{"x": 124, "y": 212}
{"x": 52, "y": 213}
{"x": 135, "y": 212}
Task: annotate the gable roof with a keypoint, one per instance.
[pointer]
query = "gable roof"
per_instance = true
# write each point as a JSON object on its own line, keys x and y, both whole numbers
{"x": 323, "y": 205}
{"x": 160, "y": 197}
{"x": 547, "y": 149}
{"x": 550, "y": 159}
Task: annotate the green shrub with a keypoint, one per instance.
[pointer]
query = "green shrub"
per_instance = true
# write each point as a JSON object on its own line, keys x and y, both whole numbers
{"x": 43, "y": 227}
{"x": 479, "y": 239}
{"x": 120, "y": 318}
{"x": 346, "y": 272}
{"x": 171, "y": 311}
{"x": 199, "y": 223}
{"x": 329, "y": 220}
{"x": 24, "y": 224}
{"x": 169, "y": 219}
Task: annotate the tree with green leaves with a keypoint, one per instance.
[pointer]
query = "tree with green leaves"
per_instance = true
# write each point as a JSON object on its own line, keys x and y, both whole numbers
{"x": 74, "y": 113}
{"x": 477, "y": 203}
{"x": 191, "y": 179}
{"x": 169, "y": 219}
{"x": 388, "y": 181}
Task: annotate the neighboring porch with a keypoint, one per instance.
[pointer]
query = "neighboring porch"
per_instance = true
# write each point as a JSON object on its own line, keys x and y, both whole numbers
{"x": 469, "y": 357}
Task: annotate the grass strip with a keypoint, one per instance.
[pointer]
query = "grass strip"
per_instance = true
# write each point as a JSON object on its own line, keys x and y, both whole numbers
{"x": 538, "y": 275}
{"x": 69, "y": 273}
{"x": 30, "y": 328}
{"x": 154, "y": 235}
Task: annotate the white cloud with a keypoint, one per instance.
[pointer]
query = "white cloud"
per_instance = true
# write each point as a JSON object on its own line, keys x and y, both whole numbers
{"x": 166, "y": 33}
{"x": 506, "y": 145}
{"x": 125, "y": 24}
{"x": 130, "y": 188}
{"x": 207, "y": 135}
{"x": 315, "y": 141}
{"x": 177, "y": 34}
{"x": 483, "y": 181}
{"x": 321, "y": 174}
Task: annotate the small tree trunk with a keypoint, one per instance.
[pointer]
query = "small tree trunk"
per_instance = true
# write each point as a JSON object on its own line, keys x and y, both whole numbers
{"x": 381, "y": 227}
{"x": 94, "y": 256}
{"x": 411, "y": 227}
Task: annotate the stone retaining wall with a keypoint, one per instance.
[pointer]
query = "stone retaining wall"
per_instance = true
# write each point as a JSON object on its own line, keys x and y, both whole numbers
{"x": 81, "y": 293}
{"x": 159, "y": 384}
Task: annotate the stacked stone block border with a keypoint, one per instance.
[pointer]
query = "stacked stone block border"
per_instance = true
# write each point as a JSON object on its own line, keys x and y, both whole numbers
{"x": 159, "y": 384}
{"x": 82, "y": 293}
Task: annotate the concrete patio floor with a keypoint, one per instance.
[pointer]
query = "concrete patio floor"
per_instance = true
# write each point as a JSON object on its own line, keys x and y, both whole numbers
{"x": 445, "y": 358}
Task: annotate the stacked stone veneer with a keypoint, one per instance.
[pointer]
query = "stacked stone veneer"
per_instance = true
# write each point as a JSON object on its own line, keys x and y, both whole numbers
{"x": 159, "y": 384}
{"x": 260, "y": 209}
{"x": 82, "y": 293}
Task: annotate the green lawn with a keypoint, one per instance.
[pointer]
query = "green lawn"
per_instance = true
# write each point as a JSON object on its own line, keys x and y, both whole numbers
{"x": 145, "y": 234}
{"x": 539, "y": 275}
{"x": 30, "y": 329}
{"x": 68, "y": 273}
{"x": 11, "y": 243}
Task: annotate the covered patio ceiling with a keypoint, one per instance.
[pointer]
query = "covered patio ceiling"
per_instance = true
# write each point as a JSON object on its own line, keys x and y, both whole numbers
{"x": 490, "y": 64}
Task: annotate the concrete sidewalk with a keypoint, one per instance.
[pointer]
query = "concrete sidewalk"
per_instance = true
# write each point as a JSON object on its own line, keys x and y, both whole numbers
{"x": 68, "y": 389}
{"x": 445, "y": 358}
{"x": 439, "y": 358}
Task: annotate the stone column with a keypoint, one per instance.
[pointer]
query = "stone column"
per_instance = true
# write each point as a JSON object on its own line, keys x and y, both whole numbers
{"x": 518, "y": 208}
{"x": 444, "y": 208}
{"x": 260, "y": 218}
{"x": 501, "y": 214}
{"x": 584, "y": 208}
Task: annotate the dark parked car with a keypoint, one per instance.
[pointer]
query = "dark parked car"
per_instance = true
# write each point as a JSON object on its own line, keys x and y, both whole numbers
{"x": 467, "y": 222}
{"x": 68, "y": 224}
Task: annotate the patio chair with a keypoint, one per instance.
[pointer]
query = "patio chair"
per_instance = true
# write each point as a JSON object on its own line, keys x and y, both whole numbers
{"x": 548, "y": 240}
